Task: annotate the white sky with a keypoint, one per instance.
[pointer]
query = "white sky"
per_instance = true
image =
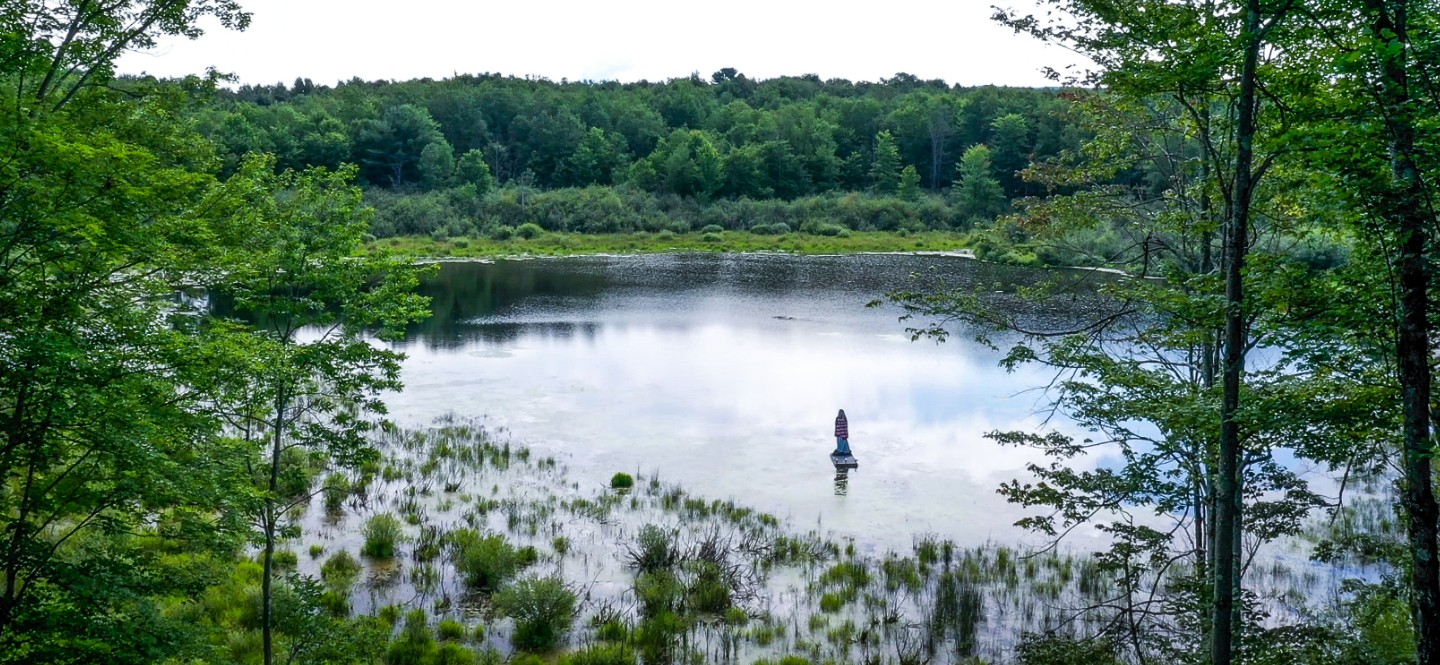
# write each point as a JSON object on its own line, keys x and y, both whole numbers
{"x": 333, "y": 40}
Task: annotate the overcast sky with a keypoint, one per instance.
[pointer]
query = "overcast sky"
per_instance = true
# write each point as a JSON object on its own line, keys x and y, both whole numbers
{"x": 626, "y": 40}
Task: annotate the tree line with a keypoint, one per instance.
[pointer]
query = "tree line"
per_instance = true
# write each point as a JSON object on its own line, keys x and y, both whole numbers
{"x": 727, "y": 135}
{"x": 451, "y": 143}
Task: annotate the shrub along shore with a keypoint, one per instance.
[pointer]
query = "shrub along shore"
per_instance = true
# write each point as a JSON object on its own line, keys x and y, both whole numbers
{"x": 566, "y": 244}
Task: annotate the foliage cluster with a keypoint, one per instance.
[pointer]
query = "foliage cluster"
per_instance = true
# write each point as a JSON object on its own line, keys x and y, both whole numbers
{"x": 728, "y": 136}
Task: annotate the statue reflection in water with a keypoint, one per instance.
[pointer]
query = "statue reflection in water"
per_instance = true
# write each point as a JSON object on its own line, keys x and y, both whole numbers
{"x": 842, "y": 458}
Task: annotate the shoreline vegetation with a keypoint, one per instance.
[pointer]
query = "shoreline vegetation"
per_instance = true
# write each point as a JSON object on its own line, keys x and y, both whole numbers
{"x": 478, "y": 158}
{"x": 821, "y": 165}
{"x": 582, "y": 244}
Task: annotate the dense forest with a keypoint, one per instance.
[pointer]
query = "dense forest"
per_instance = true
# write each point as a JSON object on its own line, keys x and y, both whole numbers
{"x": 190, "y": 300}
{"x": 472, "y": 154}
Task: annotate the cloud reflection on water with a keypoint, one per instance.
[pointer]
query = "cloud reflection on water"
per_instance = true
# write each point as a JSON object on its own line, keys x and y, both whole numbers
{"x": 680, "y": 365}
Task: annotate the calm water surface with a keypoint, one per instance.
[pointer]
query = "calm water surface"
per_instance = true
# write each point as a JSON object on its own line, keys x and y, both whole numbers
{"x": 724, "y": 373}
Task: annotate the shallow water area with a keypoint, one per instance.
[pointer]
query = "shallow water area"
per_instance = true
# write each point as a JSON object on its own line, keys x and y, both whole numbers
{"x": 723, "y": 373}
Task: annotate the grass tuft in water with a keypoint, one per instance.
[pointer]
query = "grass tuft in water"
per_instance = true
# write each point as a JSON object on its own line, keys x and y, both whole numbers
{"x": 543, "y": 609}
{"x": 382, "y": 533}
{"x": 622, "y": 481}
{"x": 484, "y": 561}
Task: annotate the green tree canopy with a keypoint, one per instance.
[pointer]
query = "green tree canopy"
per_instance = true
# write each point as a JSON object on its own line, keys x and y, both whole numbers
{"x": 389, "y": 148}
{"x": 885, "y": 168}
{"x": 977, "y": 191}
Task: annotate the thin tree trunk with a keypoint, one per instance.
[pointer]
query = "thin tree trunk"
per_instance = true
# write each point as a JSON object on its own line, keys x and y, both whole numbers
{"x": 1223, "y": 631}
{"x": 14, "y": 559}
{"x": 270, "y": 523}
{"x": 1204, "y": 480}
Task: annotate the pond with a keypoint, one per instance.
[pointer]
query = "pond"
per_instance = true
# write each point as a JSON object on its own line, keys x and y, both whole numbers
{"x": 723, "y": 373}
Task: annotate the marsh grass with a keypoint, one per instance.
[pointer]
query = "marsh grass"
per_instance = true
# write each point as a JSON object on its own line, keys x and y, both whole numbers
{"x": 662, "y": 575}
{"x": 336, "y": 489}
{"x": 543, "y": 609}
{"x": 622, "y": 481}
{"x": 654, "y": 550}
{"x": 485, "y": 561}
{"x": 382, "y": 534}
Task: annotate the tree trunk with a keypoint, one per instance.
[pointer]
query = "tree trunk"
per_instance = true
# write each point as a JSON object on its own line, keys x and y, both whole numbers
{"x": 1408, "y": 213}
{"x": 1228, "y": 502}
{"x": 271, "y": 520}
{"x": 1204, "y": 479}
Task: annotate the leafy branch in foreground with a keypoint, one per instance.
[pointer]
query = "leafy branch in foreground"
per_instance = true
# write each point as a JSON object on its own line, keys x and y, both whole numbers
{"x": 310, "y": 376}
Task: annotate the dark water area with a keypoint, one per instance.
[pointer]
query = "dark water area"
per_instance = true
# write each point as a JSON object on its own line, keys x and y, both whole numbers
{"x": 724, "y": 373}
